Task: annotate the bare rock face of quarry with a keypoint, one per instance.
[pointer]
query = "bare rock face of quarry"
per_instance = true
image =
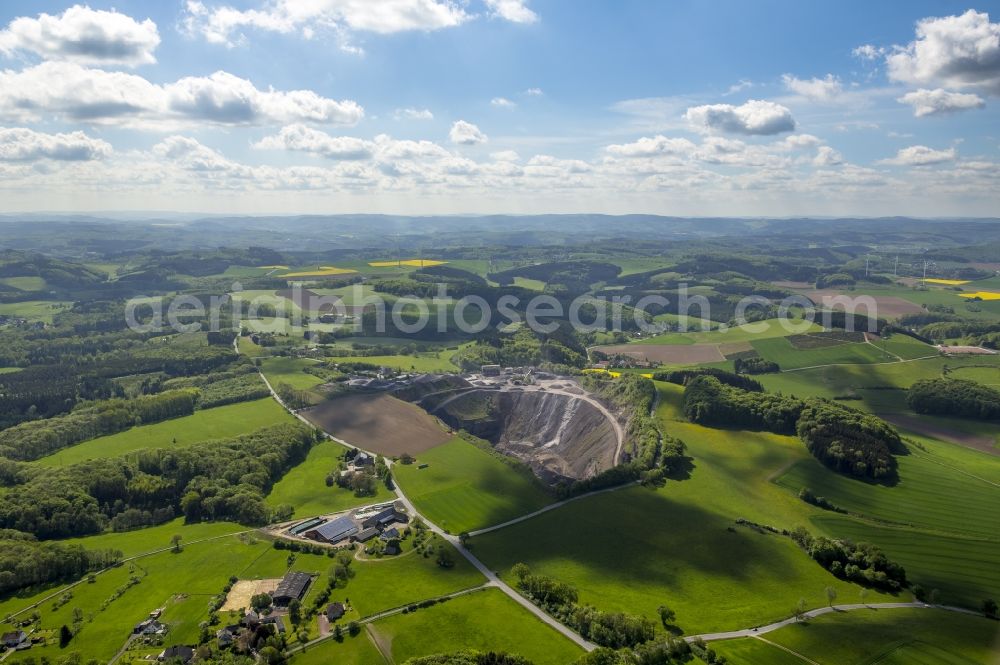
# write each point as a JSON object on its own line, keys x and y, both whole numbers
{"x": 561, "y": 437}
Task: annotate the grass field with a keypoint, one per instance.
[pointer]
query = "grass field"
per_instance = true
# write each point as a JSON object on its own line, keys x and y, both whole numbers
{"x": 964, "y": 570}
{"x": 780, "y": 350}
{"x": 906, "y": 347}
{"x": 8, "y": 370}
{"x": 25, "y": 283}
{"x": 929, "y": 495}
{"x": 427, "y": 361}
{"x": 465, "y": 488}
{"x": 939, "y": 521}
{"x": 33, "y": 310}
{"x": 751, "y": 651}
{"x": 218, "y": 423}
{"x": 528, "y": 283}
{"x": 304, "y": 487}
{"x": 486, "y": 620}
{"x": 768, "y": 329}
{"x": 282, "y": 369}
{"x": 635, "y": 549}
{"x": 839, "y": 379}
{"x": 357, "y": 650}
{"x": 913, "y": 637}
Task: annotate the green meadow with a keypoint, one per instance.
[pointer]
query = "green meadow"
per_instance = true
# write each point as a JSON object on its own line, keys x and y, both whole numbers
{"x": 218, "y": 423}
{"x": 894, "y": 637}
{"x": 486, "y": 620}
{"x": 25, "y": 283}
{"x": 635, "y": 549}
{"x": 358, "y": 650}
{"x": 781, "y": 351}
{"x": 464, "y": 488}
{"x": 304, "y": 487}
{"x": 928, "y": 494}
{"x": 427, "y": 361}
{"x": 283, "y": 369}
{"x": 769, "y": 329}
{"x": 33, "y": 310}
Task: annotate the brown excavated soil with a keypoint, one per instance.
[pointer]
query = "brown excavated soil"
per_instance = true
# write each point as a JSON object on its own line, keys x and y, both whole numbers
{"x": 982, "y": 442}
{"x": 668, "y": 354}
{"x": 889, "y": 307}
{"x": 379, "y": 423}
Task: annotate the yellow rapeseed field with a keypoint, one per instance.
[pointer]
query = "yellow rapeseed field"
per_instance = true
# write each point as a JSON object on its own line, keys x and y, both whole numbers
{"x": 982, "y": 295}
{"x": 413, "y": 263}
{"x": 323, "y": 271}
{"x": 947, "y": 282}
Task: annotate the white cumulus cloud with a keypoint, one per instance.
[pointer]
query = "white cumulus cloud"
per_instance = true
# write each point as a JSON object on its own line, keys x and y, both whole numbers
{"x": 413, "y": 114}
{"x": 652, "y": 147}
{"x": 465, "y": 133}
{"x": 306, "y": 139}
{"x": 816, "y": 89}
{"x": 515, "y": 11}
{"x": 20, "y": 144}
{"x": 933, "y": 102}
{"x": 222, "y": 24}
{"x": 502, "y": 102}
{"x": 84, "y": 35}
{"x": 753, "y": 117}
{"x": 951, "y": 51}
{"x": 67, "y": 90}
{"x": 920, "y": 155}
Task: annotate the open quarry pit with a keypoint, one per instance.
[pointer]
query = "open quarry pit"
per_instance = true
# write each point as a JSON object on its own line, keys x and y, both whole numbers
{"x": 561, "y": 434}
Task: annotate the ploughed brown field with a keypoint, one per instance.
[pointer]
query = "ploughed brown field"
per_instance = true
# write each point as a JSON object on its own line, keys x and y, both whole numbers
{"x": 668, "y": 354}
{"x": 889, "y": 307}
{"x": 379, "y": 423}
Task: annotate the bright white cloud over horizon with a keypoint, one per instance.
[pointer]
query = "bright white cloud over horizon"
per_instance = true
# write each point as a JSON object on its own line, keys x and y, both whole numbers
{"x": 437, "y": 107}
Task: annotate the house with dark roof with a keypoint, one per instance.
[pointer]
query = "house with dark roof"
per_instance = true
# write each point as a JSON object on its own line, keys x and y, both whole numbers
{"x": 333, "y": 531}
{"x": 292, "y": 587}
{"x": 274, "y": 620}
{"x": 392, "y": 549}
{"x": 335, "y": 610}
{"x": 389, "y": 534}
{"x": 226, "y": 636}
{"x": 14, "y": 639}
{"x": 179, "y": 652}
{"x": 384, "y": 518}
{"x": 365, "y": 535}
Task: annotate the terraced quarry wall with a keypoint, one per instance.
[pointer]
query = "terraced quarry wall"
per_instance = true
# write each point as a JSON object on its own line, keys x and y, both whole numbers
{"x": 561, "y": 437}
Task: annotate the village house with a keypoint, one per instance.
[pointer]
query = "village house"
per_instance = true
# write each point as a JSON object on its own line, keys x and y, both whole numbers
{"x": 15, "y": 639}
{"x": 180, "y": 652}
{"x": 335, "y": 611}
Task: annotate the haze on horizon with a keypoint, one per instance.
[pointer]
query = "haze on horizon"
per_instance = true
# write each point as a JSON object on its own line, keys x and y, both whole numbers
{"x": 501, "y": 106}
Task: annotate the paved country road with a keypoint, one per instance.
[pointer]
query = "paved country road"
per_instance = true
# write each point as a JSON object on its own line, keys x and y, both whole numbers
{"x": 760, "y": 630}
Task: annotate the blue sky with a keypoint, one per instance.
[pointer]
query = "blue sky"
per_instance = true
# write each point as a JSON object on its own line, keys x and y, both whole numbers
{"x": 448, "y": 106}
